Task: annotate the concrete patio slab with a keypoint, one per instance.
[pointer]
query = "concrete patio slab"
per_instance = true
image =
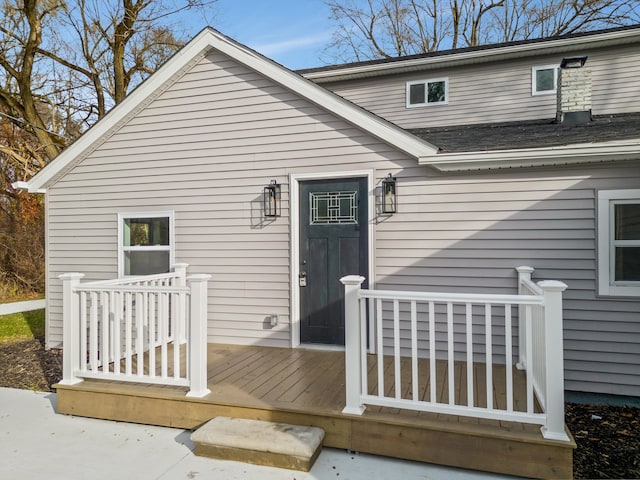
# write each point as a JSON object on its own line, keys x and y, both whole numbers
{"x": 37, "y": 443}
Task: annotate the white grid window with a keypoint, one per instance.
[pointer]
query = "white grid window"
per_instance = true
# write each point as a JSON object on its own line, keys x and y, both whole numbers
{"x": 145, "y": 243}
{"x": 421, "y": 93}
{"x": 619, "y": 242}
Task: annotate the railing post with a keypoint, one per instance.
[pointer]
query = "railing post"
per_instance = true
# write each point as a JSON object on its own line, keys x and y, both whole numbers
{"x": 70, "y": 328}
{"x": 524, "y": 274}
{"x": 180, "y": 269}
{"x": 352, "y": 344}
{"x": 198, "y": 337}
{"x": 554, "y": 359}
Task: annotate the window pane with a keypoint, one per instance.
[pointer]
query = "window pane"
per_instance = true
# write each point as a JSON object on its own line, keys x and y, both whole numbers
{"x": 627, "y": 218}
{"x": 627, "y": 264}
{"x": 146, "y": 263}
{"x": 416, "y": 93}
{"x": 544, "y": 80}
{"x": 436, "y": 92}
{"x": 146, "y": 231}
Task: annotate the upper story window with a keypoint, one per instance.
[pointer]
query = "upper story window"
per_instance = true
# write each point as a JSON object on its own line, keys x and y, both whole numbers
{"x": 145, "y": 243}
{"x": 619, "y": 242}
{"x": 544, "y": 79}
{"x": 427, "y": 92}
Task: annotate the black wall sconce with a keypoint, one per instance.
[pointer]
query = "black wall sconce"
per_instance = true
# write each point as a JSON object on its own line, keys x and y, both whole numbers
{"x": 272, "y": 200}
{"x": 389, "y": 195}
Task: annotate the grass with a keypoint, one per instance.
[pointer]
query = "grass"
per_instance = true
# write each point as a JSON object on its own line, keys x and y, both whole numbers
{"x": 21, "y": 326}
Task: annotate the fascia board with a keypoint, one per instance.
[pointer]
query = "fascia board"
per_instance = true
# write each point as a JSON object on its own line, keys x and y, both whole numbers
{"x": 208, "y": 39}
{"x": 563, "y": 45}
{"x": 503, "y": 159}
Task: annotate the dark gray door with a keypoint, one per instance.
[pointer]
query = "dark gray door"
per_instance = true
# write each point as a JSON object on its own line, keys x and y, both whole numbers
{"x": 333, "y": 243}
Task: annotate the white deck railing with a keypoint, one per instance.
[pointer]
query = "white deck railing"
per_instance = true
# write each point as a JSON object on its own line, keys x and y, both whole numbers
{"x": 411, "y": 330}
{"x": 146, "y": 329}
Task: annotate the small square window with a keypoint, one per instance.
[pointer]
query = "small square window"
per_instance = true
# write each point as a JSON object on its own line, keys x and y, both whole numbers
{"x": 544, "y": 80}
{"x": 427, "y": 92}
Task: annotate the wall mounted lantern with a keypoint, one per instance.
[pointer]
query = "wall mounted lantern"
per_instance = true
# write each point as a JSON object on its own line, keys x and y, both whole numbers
{"x": 272, "y": 200}
{"x": 389, "y": 195}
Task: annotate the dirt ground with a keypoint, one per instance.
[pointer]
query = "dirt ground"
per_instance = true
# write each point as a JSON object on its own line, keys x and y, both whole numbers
{"x": 608, "y": 438}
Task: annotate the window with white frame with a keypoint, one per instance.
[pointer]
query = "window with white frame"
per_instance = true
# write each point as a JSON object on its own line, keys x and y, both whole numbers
{"x": 145, "y": 243}
{"x": 619, "y": 242}
{"x": 544, "y": 79}
{"x": 427, "y": 92}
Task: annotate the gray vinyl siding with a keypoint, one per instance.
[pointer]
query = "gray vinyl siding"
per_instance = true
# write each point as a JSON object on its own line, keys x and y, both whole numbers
{"x": 208, "y": 145}
{"x": 499, "y": 91}
{"x": 204, "y": 149}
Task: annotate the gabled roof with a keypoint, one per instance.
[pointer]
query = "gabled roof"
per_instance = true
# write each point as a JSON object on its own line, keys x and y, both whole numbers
{"x": 206, "y": 40}
{"x": 562, "y": 44}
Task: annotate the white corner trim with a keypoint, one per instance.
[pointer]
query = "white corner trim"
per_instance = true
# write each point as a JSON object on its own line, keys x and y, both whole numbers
{"x": 208, "y": 39}
{"x": 294, "y": 225}
{"x": 560, "y": 155}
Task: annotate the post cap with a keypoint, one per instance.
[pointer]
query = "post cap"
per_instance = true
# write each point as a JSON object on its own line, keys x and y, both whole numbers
{"x": 352, "y": 280}
{"x": 71, "y": 276}
{"x": 552, "y": 285}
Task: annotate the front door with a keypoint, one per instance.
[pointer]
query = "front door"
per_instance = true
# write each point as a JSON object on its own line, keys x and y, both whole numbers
{"x": 333, "y": 243}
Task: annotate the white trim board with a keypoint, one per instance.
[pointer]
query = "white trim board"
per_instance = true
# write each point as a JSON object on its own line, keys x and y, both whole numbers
{"x": 294, "y": 209}
{"x": 19, "y": 307}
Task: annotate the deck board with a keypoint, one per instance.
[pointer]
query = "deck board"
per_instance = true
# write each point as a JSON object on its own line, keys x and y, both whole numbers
{"x": 307, "y": 387}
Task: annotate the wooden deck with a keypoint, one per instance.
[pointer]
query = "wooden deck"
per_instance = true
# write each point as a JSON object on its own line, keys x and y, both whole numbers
{"x": 306, "y": 387}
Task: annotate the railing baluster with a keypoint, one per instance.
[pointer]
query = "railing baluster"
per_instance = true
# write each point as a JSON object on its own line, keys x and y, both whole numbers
{"x": 450, "y": 356}
{"x": 509, "y": 356}
{"x": 128, "y": 332}
{"x": 432, "y": 353}
{"x": 364, "y": 375}
{"x": 396, "y": 348}
{"x": 140, "y": 334}
{"x": 528, "y": 320}
{"x": 151, "y": 319}
{"x": 379, "y": 319}
{"x": 83, "y": 332}
{"x": 489, "y": 354}
{"x": 104, "y": 354}
{"x": 94, "y": 329}
{"x": 116, "y": 302}
{"x": 414, "y": 352}
{"x": 469, "y": 332}
{"x": 164, "y": 334}
{"x": 177, "y": 333}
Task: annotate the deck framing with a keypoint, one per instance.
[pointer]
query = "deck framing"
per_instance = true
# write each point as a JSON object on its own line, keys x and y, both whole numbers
{"x": 306, "y": 387}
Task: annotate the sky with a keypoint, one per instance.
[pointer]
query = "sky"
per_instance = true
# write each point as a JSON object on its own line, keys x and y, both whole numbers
{"x": 291, "y": 32}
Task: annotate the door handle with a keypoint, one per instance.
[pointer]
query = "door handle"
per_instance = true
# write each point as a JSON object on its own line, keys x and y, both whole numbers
{"x": 302, "y": 279}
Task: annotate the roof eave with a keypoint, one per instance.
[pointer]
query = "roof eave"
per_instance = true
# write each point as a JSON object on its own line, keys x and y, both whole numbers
{"x": 211, "y": 39}
{"x": 552, "y": 156}
{"x": 561, "y": 45}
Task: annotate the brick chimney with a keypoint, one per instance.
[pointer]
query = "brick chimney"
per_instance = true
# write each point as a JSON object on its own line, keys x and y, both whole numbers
{"x": 574, "y": 92}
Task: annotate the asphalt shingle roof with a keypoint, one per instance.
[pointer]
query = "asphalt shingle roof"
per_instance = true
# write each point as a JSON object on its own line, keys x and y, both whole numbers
{"x": 530, "y": 134}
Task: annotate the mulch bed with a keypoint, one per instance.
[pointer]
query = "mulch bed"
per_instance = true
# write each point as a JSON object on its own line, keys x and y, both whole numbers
{"x": 608, "y": 437}
{"x": 26, "y": 364}
{"x": 608, "y": 440}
